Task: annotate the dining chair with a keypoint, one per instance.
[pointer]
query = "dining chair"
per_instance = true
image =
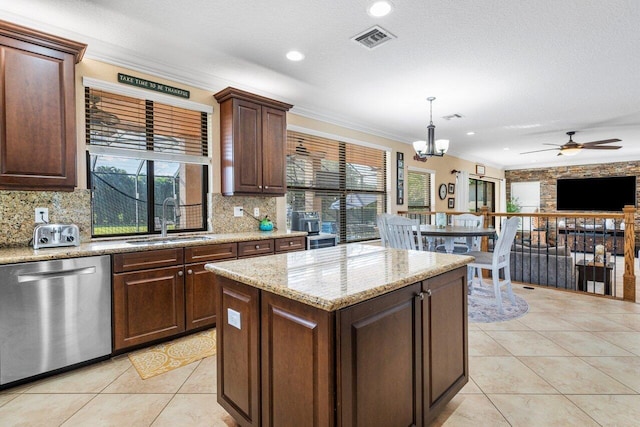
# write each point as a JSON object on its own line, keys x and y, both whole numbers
{"x": 381, "y": 221}
{"x": 401, "y": 233}
{"x": 496, "y": 261}
{"x": 464, "y": 245}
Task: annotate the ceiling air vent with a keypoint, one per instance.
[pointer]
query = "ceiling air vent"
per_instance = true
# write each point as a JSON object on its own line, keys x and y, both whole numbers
{"x": 373, "y": 37}
{"x": 452, "y": 116}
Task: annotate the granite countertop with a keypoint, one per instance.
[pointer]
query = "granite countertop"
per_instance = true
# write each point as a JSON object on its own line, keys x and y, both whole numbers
{"x": 111, "y": 246}
{"x": 337, "y": 277}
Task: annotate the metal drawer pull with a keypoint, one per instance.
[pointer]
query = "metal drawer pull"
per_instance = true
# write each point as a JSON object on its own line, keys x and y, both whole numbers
{"x": 189, "y": 271}
{"x": 290, "y": 243}
{"x": 257, "y": 246}
{"x": 428, "y": 292}
{"x": 266, "y": 187}
{"x": 420, "y": 295}
{"x": 180, "y": 273}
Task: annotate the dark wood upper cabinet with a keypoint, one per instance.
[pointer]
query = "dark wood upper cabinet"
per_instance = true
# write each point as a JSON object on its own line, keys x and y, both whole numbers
{"x": 253, "y": 134}
{"x": 37, "y": 109}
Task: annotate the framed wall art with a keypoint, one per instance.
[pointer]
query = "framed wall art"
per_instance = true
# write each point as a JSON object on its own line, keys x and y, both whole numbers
{"x": 452, "y": 188}
{"x": 400, "y": 179}
{"x": 451, "y": 203}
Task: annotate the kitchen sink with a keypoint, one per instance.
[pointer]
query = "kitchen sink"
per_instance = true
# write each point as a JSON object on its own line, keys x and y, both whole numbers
{"x": 165, "y": 240}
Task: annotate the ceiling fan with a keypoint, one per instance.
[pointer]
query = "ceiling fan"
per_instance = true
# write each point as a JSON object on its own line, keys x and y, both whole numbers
{"x": 572, "y": 148}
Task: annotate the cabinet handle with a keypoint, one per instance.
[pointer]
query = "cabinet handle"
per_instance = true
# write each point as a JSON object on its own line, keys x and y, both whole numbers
{"x": 428, "y": 292}
{"x": 189, "y": 271}
{"x": 180, "y": 273}
{"x": 420, "y": 295}
{"x": 266, "y": 187}
{"x": 257, "y": 246}
{"x": 290, "y": 243}
{"x": 259, "y": 186}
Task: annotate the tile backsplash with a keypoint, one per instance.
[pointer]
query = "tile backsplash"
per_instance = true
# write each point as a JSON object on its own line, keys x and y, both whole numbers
{"x": 17, "y": 213}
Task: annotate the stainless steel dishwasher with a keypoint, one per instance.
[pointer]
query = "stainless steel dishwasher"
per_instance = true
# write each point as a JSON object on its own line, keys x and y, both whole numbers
{"x": 53, "y": 314}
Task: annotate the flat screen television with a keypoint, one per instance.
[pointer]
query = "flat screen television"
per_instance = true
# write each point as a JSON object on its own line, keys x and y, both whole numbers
{"x": 596, "y": 194}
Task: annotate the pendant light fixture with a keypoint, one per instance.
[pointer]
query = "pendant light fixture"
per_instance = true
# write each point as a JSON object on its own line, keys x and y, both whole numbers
{"x": 429, "y": 148}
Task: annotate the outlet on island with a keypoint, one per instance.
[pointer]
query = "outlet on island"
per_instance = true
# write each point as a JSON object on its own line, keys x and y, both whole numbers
{"x": 237, "y": 211}
{"x": 256, "y": 212}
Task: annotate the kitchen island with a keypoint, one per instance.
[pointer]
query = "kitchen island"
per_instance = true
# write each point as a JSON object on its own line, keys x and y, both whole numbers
{"x": 350, "y": 335}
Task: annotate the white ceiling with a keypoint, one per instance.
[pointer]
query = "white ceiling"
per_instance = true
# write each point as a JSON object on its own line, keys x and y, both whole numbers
{"x": 520, "y": 73}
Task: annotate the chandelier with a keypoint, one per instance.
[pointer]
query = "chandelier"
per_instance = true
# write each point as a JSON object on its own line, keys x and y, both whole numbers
{"x": 429, "y": 148}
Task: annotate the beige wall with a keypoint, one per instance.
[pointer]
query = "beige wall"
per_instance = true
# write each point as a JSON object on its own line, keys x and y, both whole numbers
{"x": 222, "y": 219}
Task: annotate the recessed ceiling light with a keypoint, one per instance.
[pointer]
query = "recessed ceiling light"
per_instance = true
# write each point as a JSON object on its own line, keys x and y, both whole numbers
{"x": 294, "y": 55}
{"x": 379, "y": 9}
{"x": 471, "y": 133}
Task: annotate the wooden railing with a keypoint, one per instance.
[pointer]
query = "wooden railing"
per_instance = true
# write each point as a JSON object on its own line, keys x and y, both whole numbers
{"x": 580, "y": 233}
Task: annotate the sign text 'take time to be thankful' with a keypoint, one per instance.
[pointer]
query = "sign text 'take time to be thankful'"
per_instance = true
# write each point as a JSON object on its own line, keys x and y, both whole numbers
{"x": 158, "y": 87}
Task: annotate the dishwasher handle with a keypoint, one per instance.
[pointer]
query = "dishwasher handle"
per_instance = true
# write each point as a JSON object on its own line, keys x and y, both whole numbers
{"x": 47, "y": 275}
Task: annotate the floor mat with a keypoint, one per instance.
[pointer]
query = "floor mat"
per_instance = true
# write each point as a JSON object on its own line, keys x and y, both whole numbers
{"x": 170, "y": 355}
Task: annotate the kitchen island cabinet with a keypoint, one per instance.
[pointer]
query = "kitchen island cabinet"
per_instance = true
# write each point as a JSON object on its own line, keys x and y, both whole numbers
{"x": 351, "y": 335}
{"x": 37, "y": 109}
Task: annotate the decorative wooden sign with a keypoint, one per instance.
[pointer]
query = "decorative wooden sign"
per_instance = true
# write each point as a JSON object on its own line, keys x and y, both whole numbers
{"x": 158, "y": 87}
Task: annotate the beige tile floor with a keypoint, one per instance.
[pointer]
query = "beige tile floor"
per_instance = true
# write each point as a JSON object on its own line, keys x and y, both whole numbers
{"x": 572, "y": 360}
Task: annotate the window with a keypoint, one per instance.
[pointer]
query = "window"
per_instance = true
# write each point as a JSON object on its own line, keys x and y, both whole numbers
{"x": 419, "y": 191}
{"x": 344, "y": 182}
{"x": 141, "y": 152}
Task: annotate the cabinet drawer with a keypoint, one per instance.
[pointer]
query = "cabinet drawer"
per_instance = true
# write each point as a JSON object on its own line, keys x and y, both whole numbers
{"x": 255, "y": 248}
{"x": 290, "y": 244}
{"x": 215, "y": 252}
{"x": 147, "y": 259}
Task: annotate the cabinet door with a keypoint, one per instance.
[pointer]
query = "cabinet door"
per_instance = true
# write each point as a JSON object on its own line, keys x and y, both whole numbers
{"x": 37, "y": 112}
{"x": 238, "y": 340}
{"x": 274, "y": 137}
{"x": 200, "y": 297}
{"x": 297, "y": 360}
{"x": 445, "y": 339}
{"x": 247, "y": 140}
{"x": 380, "y": 354}
{"x": 147, "y": 305}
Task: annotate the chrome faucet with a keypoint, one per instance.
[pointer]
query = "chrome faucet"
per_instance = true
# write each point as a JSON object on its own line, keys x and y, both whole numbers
{"x": 176, "y": 214}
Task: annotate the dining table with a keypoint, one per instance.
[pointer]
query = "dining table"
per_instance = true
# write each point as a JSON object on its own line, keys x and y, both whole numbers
{"x": 450, "y": 232}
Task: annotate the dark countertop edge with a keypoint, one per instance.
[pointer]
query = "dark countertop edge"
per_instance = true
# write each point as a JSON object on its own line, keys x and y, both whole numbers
{"x": 15, "y": 255}
{"x": 340, "y": 303}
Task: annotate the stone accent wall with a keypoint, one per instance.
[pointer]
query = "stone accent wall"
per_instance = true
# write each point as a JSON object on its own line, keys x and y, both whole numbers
{"x": 17, "y": 213}
{"x": 548, "y": 176}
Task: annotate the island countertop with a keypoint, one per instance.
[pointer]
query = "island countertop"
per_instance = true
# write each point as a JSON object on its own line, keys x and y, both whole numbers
{"x": 337, "y": 277}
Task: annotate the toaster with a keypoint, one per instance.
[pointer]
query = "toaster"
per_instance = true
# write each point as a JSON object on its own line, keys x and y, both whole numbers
{"x": 55, "y": 235}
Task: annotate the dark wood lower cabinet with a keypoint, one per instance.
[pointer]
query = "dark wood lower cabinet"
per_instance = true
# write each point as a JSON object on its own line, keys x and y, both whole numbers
{"x": 238, "y": 349}
{"x": 148, "y": 305}
{"x": 396, "y": 359}
{"x": 380, "y": 361}
{"x": 444, "y": 334}
{"x": 297, "y": 364}
{"x": 200, "y": 297}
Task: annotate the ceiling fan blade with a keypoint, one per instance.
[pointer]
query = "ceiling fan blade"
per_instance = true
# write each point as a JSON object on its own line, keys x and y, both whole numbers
{"x": 602, "y": 147}
{"x": 604, "y": 141}
{"x": 537, "y": 151}
{"x": 555, "y": 145}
